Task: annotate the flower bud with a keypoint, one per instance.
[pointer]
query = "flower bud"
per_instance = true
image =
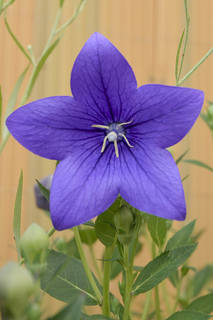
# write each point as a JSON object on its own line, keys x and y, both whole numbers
{"x": 33, "y": 246}
{"x": 41, "y": 201}
{"x": 16, "y": 286}
{"x": 124, "y": 223}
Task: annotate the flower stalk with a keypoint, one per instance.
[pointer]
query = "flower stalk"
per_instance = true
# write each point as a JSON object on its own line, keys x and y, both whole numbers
{"x": 85, "y": 265}
{"x": 106, "y": 280}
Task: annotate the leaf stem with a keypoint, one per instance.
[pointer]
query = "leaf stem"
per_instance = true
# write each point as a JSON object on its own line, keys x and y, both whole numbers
{"x": 51, "y": 232}
{"x": 75, "y": 15}
{"x": 85, "y": 265}
{"x": 195, "y": 67}
{"x": 106, "y": 280}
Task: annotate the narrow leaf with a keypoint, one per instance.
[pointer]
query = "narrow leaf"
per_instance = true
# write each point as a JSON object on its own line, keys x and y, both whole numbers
{"x": 17, "y": 212}
{"x": 18, "y": 43}
{"x": 189, "y": 315}
{"x": 161, "y": 267}
{"x": 11, "y": 104}
{"x": 178, "y": 56}
{"x": 44, "y": 190}
{"x": 180, "y": 158}
{"x": 201, "y": 279}
{"x": 65, "y": 278}
{"x": 202, "y": 304}
{"x": 181, "y": 237}
{"x": 199, "y": 164}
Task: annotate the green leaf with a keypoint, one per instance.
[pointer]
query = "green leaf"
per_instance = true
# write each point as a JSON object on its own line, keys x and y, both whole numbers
{"x": 18, "y": 43}
{"x": 199, "y": 164}
{"x": 44, "y": 190}
{"x": 88, "y": 236}
{"x": 180, "y": 158}
{"x": 104, "y": 224}
{"x": 202, "y": 304}
{"x": 201, "y": 279}
{"x": 178, "y": 56}
{"x": 72, "y": 311}
{"x": 17, "y": 212}
{"x": 181, "y": 237}
{"x": 11, "y": 104}
{"x": 174, "y": 278}
{"x": 161, "y": 267}
{"x": 65, "y": 278}
{"x": 158, "y": 229}
{"x": 189, "y": 315}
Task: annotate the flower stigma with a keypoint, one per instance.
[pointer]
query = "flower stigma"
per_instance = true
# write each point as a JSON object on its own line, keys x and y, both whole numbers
{"x": 114, "y": 133}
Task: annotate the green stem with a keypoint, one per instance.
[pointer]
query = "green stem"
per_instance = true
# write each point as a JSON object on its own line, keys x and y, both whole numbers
{"x": 75, "y": 15}
{"x": 53, "y": 31}
{"x": 128, "y": 284}
{"x": 85, "y": 265}
{"x": 157, "y": 298}
{"x": 128, "y": 262}
{"x": 177, "y": 296}
{"x": 95, "y": 264}
{"x": 106, "y": 280}
{"x": 165, "y": 298}
{"x": 146, "y": 305}
{"x": 185, "y": 40}
{"x": 195, "y": 67}
{"x": 157, "y": 303}
{"x": 50, "y": 233}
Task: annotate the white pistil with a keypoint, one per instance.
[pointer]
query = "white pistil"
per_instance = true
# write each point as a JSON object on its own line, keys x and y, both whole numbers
{"x": 113, "y": 135}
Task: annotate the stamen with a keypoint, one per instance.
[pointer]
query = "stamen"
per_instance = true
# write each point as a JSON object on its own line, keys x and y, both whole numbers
{"x": 100, "y": 126}
{"x": 124, "y": 123}
{"x": 104, "y": 144}
{"x": 125, "y": 138}
{"x": 116, "y": 148}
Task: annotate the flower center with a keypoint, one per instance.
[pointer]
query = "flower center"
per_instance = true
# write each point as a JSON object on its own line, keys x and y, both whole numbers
{"x": 114, "y": 133}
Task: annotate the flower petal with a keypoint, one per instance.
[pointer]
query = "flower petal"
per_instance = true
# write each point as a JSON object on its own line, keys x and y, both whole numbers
{"x": 102, "y": 80}
{"x": 151, "y": 182}
{"x": 52, "y": 127}
{"x": 163, "y": 115}
{"x": 84, "y": 185}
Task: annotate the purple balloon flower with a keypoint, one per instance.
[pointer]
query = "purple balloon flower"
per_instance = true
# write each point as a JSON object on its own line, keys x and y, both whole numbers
{"x": 110, "y": 138}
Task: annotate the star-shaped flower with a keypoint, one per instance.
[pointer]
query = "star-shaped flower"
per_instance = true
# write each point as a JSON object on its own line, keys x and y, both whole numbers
{"x": 110, "y": 138}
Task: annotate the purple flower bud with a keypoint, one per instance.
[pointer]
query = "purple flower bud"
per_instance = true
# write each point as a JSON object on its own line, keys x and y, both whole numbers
{"x": 41, "y": 201}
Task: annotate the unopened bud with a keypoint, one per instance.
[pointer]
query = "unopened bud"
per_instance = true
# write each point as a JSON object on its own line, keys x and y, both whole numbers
{"x": 16, "y": 286}
{"x": 124, "y": 223}
{"x": 41, "y": 201}
{"x": 34, "y": 245}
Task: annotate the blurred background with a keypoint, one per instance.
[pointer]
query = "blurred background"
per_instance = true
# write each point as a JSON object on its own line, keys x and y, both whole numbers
{"x": 147, "y": 33}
